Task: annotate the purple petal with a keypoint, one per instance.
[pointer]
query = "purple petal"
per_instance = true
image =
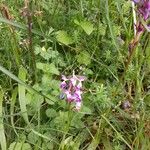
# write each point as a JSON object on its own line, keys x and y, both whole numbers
{"x": 81, "y": 78}
{"x": 136, "y": 1}
{"x": 70, "y": 98}
{"x": 78, "y": 105}
{"x": 63, "y": 84}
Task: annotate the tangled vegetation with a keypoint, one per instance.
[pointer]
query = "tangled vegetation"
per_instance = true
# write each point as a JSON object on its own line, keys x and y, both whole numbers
{"x": 103, "y": 43}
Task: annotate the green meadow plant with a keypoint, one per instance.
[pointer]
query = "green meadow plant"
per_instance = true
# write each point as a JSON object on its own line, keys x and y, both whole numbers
{"x": 74, "y": 75}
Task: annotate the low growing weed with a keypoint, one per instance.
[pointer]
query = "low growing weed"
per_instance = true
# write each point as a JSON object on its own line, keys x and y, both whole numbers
{"x": 74, "y": 75}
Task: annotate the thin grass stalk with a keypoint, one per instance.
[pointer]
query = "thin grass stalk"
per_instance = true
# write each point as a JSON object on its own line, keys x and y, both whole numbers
{"x": 12, "y": 106}
{"x": 134, "y": 17}
{"x": 110, "y": 27}
{"x": 2, "y": 134}
{"x": 119, "y": 135}
{"x": 6, "y": 14}
{"x": 28, "y": 87}
{"x": 22, "y": 96}
{"x": 20, "y": 26}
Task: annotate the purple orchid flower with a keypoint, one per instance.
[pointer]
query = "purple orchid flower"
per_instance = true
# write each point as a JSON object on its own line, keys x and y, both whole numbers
{"x": 143, "y": 8}
{"x": 72, "y": 87}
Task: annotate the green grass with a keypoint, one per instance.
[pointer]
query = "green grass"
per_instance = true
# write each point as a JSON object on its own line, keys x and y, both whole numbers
{"x": 91, "y": 38}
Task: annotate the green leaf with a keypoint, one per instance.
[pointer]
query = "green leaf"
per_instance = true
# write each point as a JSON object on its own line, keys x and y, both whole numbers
{"x": 76, "y": 22}
{"x": 85, "y": 110}
{"x": 21, "y": 92}
{"x": 53, "y": 69}
{"x": 47, "y": 146}
{"x": 61, "y": 121}
{"x": 87, "y": 27}
{"x": 34, "y": 101}
{"x": 32, "y": 137}
{"x": 19, "y": 146}
{"x": 84, "y": 58}
{"x": 76, "y": 121}
{"x": 102, "y": 29}
{"x": 49, "y": 68}
{"x": 51, "y": 113}
{"x": 63, "y": 37}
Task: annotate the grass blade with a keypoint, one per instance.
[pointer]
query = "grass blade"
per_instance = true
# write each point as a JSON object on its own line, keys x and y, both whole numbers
{"x": 28, "y": 87}
{"x": 21, "y": 92}
{"x": 110, "y": 26}
{"x": 119, "y": 135}
{"x": 121, "y": 16}
{"x": 2, "y": 134}
{"x": 12, "y": 105}
{"x": 97, "y": 137}
{"x": 20, "y": 26}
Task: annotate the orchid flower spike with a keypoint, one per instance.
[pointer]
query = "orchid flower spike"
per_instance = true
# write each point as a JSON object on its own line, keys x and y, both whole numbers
{"x": 72, "y": 87}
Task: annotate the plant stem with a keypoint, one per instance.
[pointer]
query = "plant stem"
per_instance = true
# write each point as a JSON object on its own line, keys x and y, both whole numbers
{"x": 29, "y": 22}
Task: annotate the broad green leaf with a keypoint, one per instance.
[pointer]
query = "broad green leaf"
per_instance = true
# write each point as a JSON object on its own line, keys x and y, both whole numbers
{"x": 61, "y": 121}
{"x": 32, "y": 137}
{"x": 40, "y": 65}
{"x": 88, "y": 72}
{"x": 49, "y": 68}
{"x": 84, "y": 58}
{"x": 77, "y": 122}
{"x": 46, "y": 79}
{"x": 51, "y": 113}
{"x": 34, "y": 101}
{"x": 87, "y": 27}
{"x": 85, "y": 110}
{"x": 19, "y": 146}
{"x": 102, "y": 29}
{"x": 48, "y": 145}
{"x": 64, "y": 37}
{"x": 37, "y": 50}
{"x": 66, "y": 143}
{"x": 53, "y": 69}
{"x": 76, "y": 22}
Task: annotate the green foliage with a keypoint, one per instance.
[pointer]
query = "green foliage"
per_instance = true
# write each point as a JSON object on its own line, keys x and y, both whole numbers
{"x": 83, "y": 58}
{"x": 2, "y": 134}
{"x": 92, "y": 38}
{"x": 86, "y": 26}
{"x": 19, "y": 146}
{"x": 48, "y": 68}
{"x": 63, "y": 37}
